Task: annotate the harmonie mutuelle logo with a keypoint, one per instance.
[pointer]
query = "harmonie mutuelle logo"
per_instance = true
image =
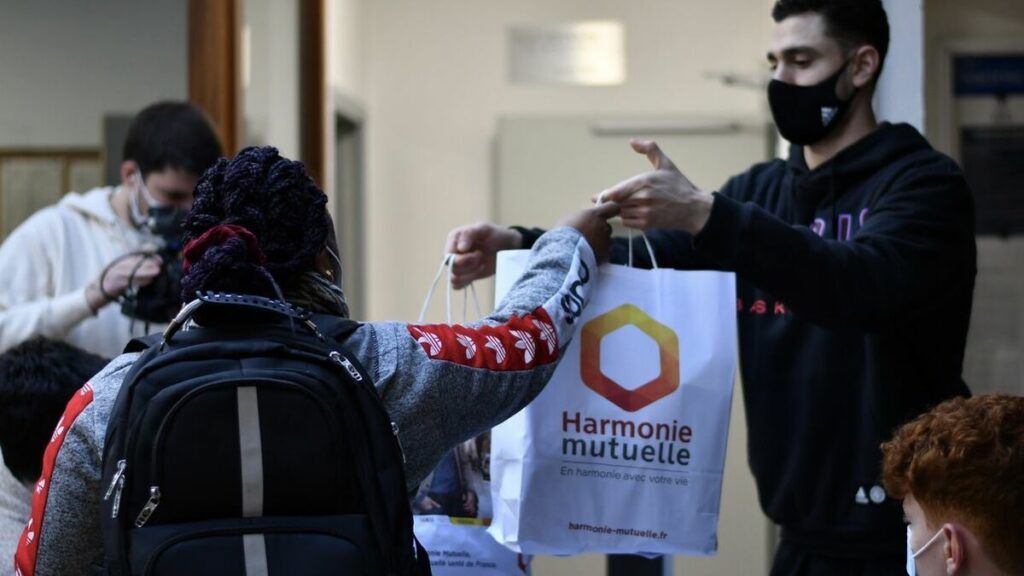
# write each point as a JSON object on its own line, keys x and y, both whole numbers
{"x": 664, "y": 384}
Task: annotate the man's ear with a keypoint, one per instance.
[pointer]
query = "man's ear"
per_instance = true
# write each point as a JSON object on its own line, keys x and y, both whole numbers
{"x": 954, "y": 549}
{"x": 129, "y": 168}
{"x": 865, "y": 63}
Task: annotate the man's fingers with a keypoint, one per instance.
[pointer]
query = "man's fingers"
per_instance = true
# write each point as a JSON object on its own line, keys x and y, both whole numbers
{"x": 137, "y": 266}
{"x": 470, "y": 238}
{"x": 460, "y": 281}
{"x": 452, "y": 241}
{"x": 460, "y": 240}
{"x": 623, "y": 190}
{"x": 465, "y": 241}
{"x": 606, "y": 210}
{"x": 636, "y": 217}
{"x": 144, "y": 276}
{"x": 635, "y": 223}
{"x": 464, "y": 263}
{"x": 655, "y": 156}
{"x": 466, "y": 268}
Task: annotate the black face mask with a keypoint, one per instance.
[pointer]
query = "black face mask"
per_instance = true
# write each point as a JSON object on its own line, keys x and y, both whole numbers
{"x": 166, "y": 222}
{"x": 806, "y": 114}
{"x": 159, "y": 301}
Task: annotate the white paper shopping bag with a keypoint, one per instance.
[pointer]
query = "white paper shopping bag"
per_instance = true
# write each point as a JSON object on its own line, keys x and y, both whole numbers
{"x": 452, "y": 507}
{"x": 623, "y": 451}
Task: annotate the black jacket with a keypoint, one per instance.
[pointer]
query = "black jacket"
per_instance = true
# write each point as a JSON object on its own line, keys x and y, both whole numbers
{"x": 854, "y": 298}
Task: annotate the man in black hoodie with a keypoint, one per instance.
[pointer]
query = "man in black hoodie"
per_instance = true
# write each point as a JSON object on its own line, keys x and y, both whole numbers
{"x": 855, "y": 263}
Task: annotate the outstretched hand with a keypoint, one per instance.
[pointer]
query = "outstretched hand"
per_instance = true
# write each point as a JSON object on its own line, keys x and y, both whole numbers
{"x": 661, "y": 198}
{"x": 593, "y": 224}
{"x": 476, "y": 247}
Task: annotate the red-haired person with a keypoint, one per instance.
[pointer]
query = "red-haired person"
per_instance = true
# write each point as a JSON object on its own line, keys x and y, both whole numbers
{"x": 959, "y": 469}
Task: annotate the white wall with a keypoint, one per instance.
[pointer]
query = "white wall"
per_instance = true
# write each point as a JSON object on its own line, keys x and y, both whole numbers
{"x": 270, "y": 74}
{"x": 64, "y": 64}
{"x": 900, "y": 95}
{"x": 435, "y": 86}
{"x": 346, "y": 54}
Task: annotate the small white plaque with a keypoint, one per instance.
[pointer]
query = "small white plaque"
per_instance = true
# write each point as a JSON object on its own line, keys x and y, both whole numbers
{"x": 588, "y": 53}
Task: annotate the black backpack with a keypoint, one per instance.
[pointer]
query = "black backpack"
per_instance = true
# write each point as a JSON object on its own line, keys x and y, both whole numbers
{"x": 253, "y": 445}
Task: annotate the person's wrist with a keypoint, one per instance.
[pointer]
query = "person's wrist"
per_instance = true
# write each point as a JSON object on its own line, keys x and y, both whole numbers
{"x": 515, "y": 239}
{"x": 700, "y": 212}
{"x": 95, "y": 297}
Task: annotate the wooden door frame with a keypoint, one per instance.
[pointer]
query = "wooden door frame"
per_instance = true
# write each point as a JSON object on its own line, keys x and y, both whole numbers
{"x": 214, "y": 69}
{"x": 213, "y": 65}
{"x": 313, "y": 88}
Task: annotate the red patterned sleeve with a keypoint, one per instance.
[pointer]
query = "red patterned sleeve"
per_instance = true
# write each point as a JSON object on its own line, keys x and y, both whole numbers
{"x": 28, "y": 545}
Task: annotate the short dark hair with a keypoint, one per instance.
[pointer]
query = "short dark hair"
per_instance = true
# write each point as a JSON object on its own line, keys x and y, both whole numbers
{"x": 849, "y": 22}
{"x": 37, "y": 378}
{"x": 172, "y": 135}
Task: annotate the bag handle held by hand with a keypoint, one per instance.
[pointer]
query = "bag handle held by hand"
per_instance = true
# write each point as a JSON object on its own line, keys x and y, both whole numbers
{"x": 447, "y": 262}
{"x": 629, "y": 237}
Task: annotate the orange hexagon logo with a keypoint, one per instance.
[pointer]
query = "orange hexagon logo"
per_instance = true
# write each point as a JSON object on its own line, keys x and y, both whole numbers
{"x": 594, "y": 331}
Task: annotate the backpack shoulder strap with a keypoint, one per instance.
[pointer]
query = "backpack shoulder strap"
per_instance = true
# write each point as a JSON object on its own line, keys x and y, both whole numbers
{"x": 337, "y": 330}
{"x": 142, "y": 343}
{"x": 335, "y": 327}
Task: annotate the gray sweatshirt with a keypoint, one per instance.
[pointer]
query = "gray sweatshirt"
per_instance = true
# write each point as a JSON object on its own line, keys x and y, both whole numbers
{"x": 442, "y": 384}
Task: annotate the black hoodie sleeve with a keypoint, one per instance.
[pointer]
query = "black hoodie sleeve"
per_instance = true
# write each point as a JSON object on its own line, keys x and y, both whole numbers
{"x": 672, "y": 249}
{"x": 915, "y": 248}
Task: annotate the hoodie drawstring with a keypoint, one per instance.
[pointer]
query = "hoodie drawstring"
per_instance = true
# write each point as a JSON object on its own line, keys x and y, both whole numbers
{"x": 832, "y": 197}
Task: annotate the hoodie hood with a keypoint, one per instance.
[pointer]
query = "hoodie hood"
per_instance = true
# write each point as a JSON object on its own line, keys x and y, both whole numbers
{"x": 94, "y": 204}
{"x": 853, "y": 164}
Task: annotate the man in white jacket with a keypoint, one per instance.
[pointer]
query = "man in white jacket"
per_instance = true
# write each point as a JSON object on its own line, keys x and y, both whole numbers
{"x": 53, "y": 282}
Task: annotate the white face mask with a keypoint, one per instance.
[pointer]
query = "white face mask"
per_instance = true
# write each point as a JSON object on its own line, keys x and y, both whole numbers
{"x": 912, "y": 556}
{"x": 151, "y": 202}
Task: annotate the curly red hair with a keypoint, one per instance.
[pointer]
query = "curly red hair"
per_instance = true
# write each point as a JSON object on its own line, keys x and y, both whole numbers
{"x": 964, "y": 462}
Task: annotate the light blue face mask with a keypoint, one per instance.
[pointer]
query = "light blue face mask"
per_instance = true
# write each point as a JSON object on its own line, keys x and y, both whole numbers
{"x": 912, "y": 556}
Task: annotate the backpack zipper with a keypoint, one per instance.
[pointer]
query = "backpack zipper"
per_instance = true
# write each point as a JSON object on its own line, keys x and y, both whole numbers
{"x": 117, "y": 483}
{"x": 368, "y": 484}
{"x": 394, "y": 430}
{"x": 149, "y": 508}
{"x": 346, "y": 364}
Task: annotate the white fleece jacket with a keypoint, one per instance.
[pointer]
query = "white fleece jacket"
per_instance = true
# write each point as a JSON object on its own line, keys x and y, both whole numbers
{"x": 46, "y": 264}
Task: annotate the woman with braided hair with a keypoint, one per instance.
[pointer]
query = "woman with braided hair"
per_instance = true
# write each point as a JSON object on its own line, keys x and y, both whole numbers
{"x": 259, "y": 225}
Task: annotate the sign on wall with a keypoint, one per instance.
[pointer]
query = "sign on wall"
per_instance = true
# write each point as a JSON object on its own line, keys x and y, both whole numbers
{"x": 588, "y": 53}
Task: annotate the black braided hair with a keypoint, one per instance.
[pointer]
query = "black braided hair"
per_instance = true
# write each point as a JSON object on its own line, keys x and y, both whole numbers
{"x": 275, "y": 199}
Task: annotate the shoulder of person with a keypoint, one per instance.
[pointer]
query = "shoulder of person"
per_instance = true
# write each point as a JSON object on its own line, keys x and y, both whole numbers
{"x": 916, "y": 156}
{"x": 106, "y": 385}
{"x": 754, "y": 179}
{"x": 94, "y": 204}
